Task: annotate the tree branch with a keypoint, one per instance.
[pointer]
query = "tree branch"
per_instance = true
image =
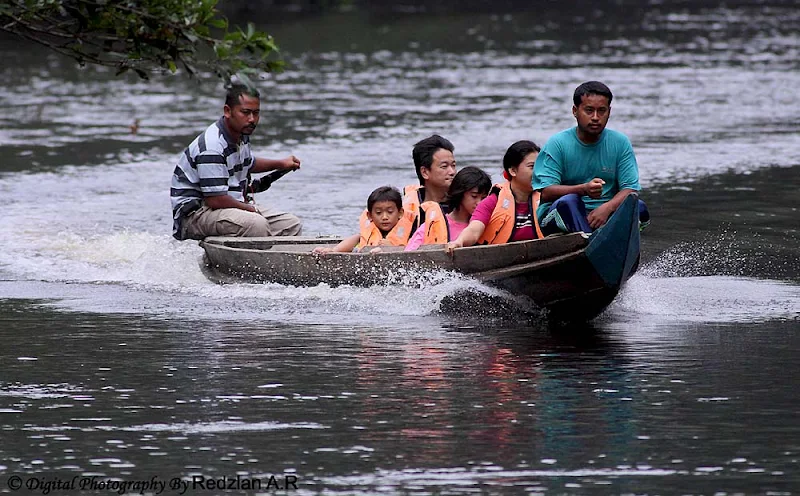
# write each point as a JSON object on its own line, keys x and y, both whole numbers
{"x": 140, "y": 35}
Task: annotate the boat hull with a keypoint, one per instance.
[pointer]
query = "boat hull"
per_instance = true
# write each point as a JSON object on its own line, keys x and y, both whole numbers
{"x": 573, "y": 276}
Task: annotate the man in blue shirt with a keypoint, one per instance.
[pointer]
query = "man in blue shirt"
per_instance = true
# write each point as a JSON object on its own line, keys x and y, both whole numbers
{"x": 585, "y": 172}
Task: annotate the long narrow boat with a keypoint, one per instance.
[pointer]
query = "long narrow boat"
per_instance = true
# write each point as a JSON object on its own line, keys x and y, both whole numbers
{"x": 573, "y": 276}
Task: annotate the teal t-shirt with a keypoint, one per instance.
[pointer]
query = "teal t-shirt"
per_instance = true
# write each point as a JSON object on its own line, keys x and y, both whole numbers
{"x": 564, "y": 159}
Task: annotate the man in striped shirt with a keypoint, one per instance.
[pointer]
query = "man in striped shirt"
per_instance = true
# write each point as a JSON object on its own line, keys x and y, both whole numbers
{"x": 209, "y": 183}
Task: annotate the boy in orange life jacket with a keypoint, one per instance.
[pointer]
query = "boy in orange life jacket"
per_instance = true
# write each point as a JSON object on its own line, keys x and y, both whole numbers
{"x": 382, "y": 224}
{"x": 509, "y": 213}
{"x": 468, "y": 189}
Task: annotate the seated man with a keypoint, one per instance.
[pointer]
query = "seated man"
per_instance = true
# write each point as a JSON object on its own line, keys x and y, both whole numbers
{"x": 468, "y": 189}
{"x": 436, "y": 167}
{"x": 210, "y": 180}
{"x": 585, "y": 172}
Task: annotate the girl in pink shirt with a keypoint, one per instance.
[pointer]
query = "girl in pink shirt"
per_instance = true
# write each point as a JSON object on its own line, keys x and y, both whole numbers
{"x": 518, "y": 170}
{"x": 469, "y": 187}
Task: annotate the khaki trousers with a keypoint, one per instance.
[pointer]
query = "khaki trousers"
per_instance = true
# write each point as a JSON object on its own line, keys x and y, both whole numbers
{"x": 237, "y": 222}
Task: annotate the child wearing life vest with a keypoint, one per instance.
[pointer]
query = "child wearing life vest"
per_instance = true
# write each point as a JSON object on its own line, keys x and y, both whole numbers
{"x": 384, "y": 223}
{"x": 509, "y": 212}
{"x": 469, "y": 187}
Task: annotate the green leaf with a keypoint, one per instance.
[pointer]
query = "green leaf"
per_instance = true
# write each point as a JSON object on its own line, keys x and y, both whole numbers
{"x": 222, "y": 51}
{"x": 234, "y": 36}
{"x": 219, "y": 23}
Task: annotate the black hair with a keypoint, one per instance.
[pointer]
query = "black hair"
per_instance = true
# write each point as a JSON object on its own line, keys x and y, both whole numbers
{"x": 235, "y": 92}
{"x": 591, "y": 88}
{"x": 423, "y": 152}
{"x": 465, "y": 181}
{"x": 385, "y": 193}
{"x": 517, "y": 152}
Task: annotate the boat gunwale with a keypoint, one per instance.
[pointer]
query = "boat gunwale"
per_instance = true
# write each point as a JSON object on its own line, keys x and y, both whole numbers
{"x": 467, "y": 260}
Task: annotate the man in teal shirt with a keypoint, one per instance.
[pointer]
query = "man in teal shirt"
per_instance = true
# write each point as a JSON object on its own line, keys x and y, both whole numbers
{"x": 585, "y": 172}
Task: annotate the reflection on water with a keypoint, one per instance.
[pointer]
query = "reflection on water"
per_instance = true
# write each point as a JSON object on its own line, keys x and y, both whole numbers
{"x": 377, "y": 410}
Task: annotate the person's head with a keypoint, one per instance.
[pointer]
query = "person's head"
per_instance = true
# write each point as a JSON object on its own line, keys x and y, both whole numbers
{"x": 242, "y": 109}
{"x": 592, "y": 107}
{"x": 469, "y": 187}
{"x": 434, "y": 161}
{"x": 518, "y": 163}
{"x": 385, "y": 207}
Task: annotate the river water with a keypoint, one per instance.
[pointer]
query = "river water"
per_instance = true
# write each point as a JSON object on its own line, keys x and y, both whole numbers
{"x": 121, "y": 361}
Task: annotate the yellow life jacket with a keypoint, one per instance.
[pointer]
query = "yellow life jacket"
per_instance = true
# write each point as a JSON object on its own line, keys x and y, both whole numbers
{"x": 437, "y": 230}
{"x": 370, "y": 235}
{"x": 501, "y": 225}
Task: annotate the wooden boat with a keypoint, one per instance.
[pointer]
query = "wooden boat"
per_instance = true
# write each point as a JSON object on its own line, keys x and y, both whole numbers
{"x": 573, "y": 276}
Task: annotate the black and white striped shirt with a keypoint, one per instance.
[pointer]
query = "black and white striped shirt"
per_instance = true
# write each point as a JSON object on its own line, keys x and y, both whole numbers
{"x": 211, "y": 165}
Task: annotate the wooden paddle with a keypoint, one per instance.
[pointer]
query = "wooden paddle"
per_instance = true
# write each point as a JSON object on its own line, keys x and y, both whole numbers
{"x": 263, "y": 183}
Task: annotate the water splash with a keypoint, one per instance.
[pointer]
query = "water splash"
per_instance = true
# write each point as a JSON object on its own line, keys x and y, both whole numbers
{"x": 714, "y": 299}
{"x": 136, "y": 272}
{"x": 719, "y": 254}
{"x": 725, "y": 253}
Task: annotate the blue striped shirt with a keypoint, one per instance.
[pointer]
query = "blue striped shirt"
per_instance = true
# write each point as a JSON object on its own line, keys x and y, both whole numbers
{"x": 211, "y": 165}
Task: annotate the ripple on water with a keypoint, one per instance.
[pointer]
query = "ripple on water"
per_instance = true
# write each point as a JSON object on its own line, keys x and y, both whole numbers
{"x": 497, "y": 475}
{"x": 218, "y": 427}
{"x": 181, "y": 427}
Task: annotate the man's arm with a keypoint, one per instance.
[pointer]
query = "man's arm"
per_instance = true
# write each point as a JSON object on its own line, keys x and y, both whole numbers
{"x": 227, "y": 201}
{"x": 212, "y": 171}
{"x": 548, "y": 172}
{"x": 627, "y": 181}
{"x": 599, "y": 216}
{"x": 267, "y": 164}
{"x": 592, "y": 189}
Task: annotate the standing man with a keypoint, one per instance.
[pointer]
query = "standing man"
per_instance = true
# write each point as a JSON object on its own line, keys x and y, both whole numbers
{"x": 210, "y": 180}
{"x": 436, "y": 167}
{"x": 585, "y": 172}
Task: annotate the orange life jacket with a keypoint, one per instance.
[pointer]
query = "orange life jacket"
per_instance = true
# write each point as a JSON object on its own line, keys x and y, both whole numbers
{"x": 372, "y": 236}
{"x": 503, "y": 221}
{"x": 437, "y": 230}
{"x": 411, "y": 202}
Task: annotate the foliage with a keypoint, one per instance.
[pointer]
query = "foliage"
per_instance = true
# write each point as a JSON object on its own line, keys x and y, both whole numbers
{"x": 142, "y": 35}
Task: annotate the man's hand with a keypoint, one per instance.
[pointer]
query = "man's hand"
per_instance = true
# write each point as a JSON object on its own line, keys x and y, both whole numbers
{"x": 598, "y": 217}
{"x": 291, "y": 162}
{"x": 594, "y": 188}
